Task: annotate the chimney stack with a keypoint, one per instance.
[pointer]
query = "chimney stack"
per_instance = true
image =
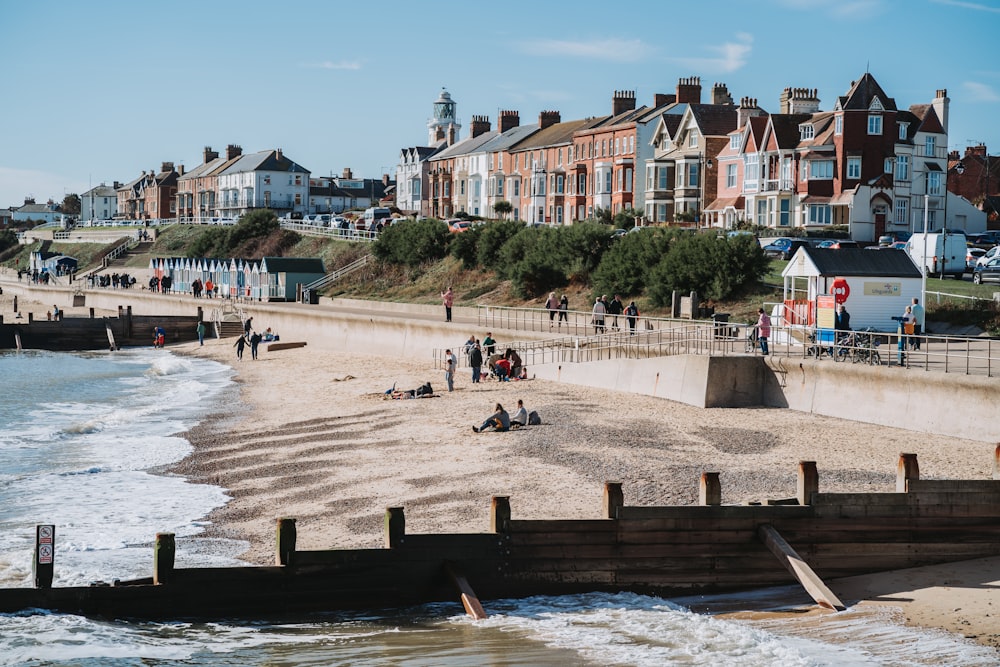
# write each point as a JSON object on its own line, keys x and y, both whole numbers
{"x": 116, "y": 185}
{"x": 548, "y": 118}
{"x": 278, "y": 154}
{"x": 451, "y": 135}
{"x": 166, "y": 166}
{"x": 940, "y": 104}
{"x": 622, "y": 101}
{"x": 720, "y": 94}
{"x": 799, "y": 100}
{"x": 348, "y": 174}
{"x": 748, "y": 107}
{"x": 232, "y": 151}
{"x": 689, "y": 90}
{"x": 180, "y": 170}
{"x": 209, "y": 155}
{"x": 976, "y": 151}
{"x": 480, "y": 125}
{"x": 508, "y": 121}
{"x": 662, "y": 99}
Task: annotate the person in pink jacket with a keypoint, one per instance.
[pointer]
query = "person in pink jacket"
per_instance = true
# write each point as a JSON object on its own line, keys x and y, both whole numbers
{"x": 448, "y": 297}
{"x": 763, "y": 329}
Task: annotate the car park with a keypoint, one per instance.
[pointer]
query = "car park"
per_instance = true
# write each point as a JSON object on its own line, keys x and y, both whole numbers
{"x": 988, "y": 272}
{"x": 985, "y": 240}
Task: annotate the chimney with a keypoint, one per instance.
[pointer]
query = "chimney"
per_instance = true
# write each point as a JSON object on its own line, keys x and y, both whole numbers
{"x": 480, "y": 125}
{"x": 689, "y": 90}
{"x": 662, "y": 99}
{"x": 622, "y": 101}
{"x": 277, "y": 154}
{"x": 348, "y": 175}
{"x": 385, "y": 180}
{"x": 748, "y": 107}
{"x": 508, "y": 121}
{"x": 720, "y": 94}
{"x": 548, "y": 118}
{"x": 941, "y": 107}
{"x": 451, "y": 135}
{"x": 208, "y": 154}
{"x": 439, "y": 134}
{"x": 29, "y": 200}
{"x": 180, "y": 170}
{"x": 232, "y": 150}
{"x": 116, "y": 185}
{"x": 166, "y": 166}
{"x": 799, "y": 100}
{"x": 976, "y": 151}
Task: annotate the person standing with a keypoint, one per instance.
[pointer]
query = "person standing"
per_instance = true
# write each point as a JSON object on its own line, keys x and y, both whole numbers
{"x": 553, "y": 305}
{"x": 448, "y": 298}
{"x": 906, "y": 327}
{"x": 763, "y": 330}
{"x": 476, "y": 361}
{"x": 598, "y": 316}
{"x": 247, "y": 326}
{"x": 563, "y": 311}
{"x": 615, "y": 309}
{"x": 55, "y": 313}
{"x": 489, "y": 345}
{"x": 918, "y": 323}
{"x": 255, "y": 339}
{"x": 632, "y": 315}
{"x": 240, "y": 344}
{"x": 201, "y": 333}
{"x": 450, "y": 363}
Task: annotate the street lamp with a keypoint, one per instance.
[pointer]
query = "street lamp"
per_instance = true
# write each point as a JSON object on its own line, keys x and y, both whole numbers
{"x": 960, "y": 169}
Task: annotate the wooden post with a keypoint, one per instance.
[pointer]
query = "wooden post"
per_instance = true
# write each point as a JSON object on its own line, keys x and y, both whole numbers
{"x": 808, "y": 482}
{"x": 43, "y": 564}
{"x": 784, "y": 552}
{"x": 31, "y": 318}
{"x": 500, "y": 514}
{"x": 710, "y": 492}
{"x": 395, "y": 527}
{"x": 163, "y": 558}
{"x": 996, "y": 463}
{"x": 284, "y": 542}
{"x": 128, "y": 322}
{"x": 91, "y": 313}
{"x": 473, "y": 607}
{"x": 201, "y": 315}
{"x": 906, "y": 470}
{"x": 614, "y": 499}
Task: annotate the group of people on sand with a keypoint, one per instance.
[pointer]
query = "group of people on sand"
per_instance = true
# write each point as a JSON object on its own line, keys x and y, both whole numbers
{"x": 252, "y": 338}
{"x": 500, "y": 421}
{"x": 504, "y": 366}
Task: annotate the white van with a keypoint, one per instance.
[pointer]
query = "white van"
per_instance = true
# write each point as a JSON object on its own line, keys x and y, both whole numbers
{"x": 945, "y": 253}
{"x": 375, "y": 215}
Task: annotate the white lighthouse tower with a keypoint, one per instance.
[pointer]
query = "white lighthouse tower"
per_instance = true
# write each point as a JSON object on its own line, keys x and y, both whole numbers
{"x": 443, "y": 126}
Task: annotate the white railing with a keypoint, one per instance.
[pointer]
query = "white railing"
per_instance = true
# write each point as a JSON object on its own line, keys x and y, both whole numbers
{"x": 350, "y": 234}
{"x": 333, "y": 276}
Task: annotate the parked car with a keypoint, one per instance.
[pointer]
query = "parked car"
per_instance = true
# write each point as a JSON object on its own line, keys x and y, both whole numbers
{"x": 785, "y": 250}
{"x": 988, "y": 272}
{"x": 837, "y": 245}
{"x": 887, "y": 240}
{"x": 459, "y": 226}
{"x": 618, "y": 233}
{"x": 825, "y": 244}
{"x": 988, "y": 255}
{"x": 986, "y": 240}
{"x": 972, "y": 256}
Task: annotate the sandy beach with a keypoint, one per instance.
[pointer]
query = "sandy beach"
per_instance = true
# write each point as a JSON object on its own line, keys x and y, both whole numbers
{"x": 311, "y": 436}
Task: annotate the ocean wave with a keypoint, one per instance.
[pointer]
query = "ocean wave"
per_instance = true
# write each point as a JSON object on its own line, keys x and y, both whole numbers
{"x": 88, "y": 471}
{"x": 83, "y": 428}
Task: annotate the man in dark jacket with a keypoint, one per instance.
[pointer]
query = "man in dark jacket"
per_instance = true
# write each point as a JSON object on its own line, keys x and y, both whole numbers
{"x": 476, "y": 361}
{"x": 615, "y": 309}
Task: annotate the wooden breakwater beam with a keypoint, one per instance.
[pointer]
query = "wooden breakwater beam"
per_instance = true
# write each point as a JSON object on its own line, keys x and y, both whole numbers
{"x": 470, "y": 600}
{"x": 795, "y": 564}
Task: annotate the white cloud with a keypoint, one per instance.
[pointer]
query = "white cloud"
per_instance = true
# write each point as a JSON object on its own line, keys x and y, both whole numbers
{"x": 327, "y": 64}
{"x": 969, "y": 5}
{"x": 731, "y": 56}
{"x": 980, "y": 92}
{"x": 613, "y": 50}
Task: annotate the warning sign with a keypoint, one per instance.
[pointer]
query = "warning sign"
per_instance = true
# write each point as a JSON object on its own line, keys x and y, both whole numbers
{"x": 44, "y": 554}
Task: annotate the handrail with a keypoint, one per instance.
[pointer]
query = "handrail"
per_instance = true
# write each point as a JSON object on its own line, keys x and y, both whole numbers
{"x": 338, "y": 273}
{"x": 350, "y": 234}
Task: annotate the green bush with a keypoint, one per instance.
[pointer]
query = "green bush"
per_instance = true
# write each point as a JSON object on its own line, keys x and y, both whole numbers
{"x": 625, "y": 267}
{"x": 716, "y": 268}
{"x": 534, "y": 260}
{"x": 413, "y": 242}
{"x": 582, "y": 246}
{"x": 493, "y": 238}
{"x": 465, "y": 247}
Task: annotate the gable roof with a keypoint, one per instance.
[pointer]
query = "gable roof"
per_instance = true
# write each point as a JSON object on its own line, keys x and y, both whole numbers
{"x": 466, "y": 146}
{"x": 861, "y": 94}
{"x": 715, "y": 120}
{"x": 860, "y": 262}
{"x": 558, "y": 133}
{"x": 509, "y": 138}
{"x": 263, "y": 161}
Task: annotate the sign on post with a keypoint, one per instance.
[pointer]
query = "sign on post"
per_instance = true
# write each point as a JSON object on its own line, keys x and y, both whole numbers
{"x": 43, "y": 565}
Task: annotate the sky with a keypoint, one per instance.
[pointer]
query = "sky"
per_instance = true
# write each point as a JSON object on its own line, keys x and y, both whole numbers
{"x": 99, "y": 91}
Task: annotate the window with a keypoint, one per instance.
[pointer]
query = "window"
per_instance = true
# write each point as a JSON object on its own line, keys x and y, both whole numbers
{"x": 581, "y": 184}
{"x": 628, "y": 180}
{"x": 761, "y": 212}
{"x": 853, "y": 168}
{"x": 750, "y": 172}
{"x": 734, "y": 142}
{"x": 619, "y": 180}
{"x": 820, "y": 214}
{"x": 888, "y": 165}
{"x": 806, "y": 132}
{"x": 820, "y": 170}
{"x": 607, "y": 181}
{"x": 447, "y": 188}
{"x": 604, "y": 147}
{"x": 661, "y": 178}
{"x": 692, "y": 176}
{"x": 559, "y": 184}
{"x": 692, "y": 140}
{"x": 902, "y": 167}
{"x": 559, "y": 156}
{"x": 934, "y": 182}
{"x": 730, "y": 175}
{"x": 617, "y": 146}
{"x": 929, "y": 146}
{"x": 631, "y": 144}
{"x": 902, "y": 214}
{"x": 516, "y": 185}
{"x": 461, "y": 187}
{"x": 783, "y": 218}
{"x": 559, "y": 215}
{"x": 902, "y": 130}
{"x": 500, "y": 161}
{"x": 477, "y": 188}
{"x": 500, "y": 187}
{"x": 875, "y": 123}
{"x": 838, "y": 124}
{"x": 267, "y": 179}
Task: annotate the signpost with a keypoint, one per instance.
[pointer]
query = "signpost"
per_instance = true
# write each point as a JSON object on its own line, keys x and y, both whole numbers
{"x": 43, "y": 564}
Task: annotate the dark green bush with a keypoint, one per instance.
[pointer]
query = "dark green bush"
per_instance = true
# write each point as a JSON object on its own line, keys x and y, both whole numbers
{"x": 465, "y": 247}
{"x": 625, "y": 267}
{"x": 716, "y": 268}
{"x": 493, "y": 238}
{"x": 412, "y": 242}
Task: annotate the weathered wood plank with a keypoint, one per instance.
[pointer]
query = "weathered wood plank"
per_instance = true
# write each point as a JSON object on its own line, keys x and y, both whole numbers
{"x": 917, "y": 486}
{"x": 274, "y": 347}
{"x": 561, "y": 525}
{"x": 702, "y": 513}
{"x": 469, "y": 598}
{"x": 795, "y": 564}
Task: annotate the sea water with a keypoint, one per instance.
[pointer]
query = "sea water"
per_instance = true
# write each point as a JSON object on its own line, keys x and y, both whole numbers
{"x": 83, "y": 442}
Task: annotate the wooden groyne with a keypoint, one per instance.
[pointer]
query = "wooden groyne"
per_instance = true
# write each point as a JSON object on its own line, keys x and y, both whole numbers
{"x": 65, "y": 334}
{"x": 673, "y": 550}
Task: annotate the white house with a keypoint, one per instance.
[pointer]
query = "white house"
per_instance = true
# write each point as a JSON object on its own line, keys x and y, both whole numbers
{"x": 99, "y": 203}
{"x": 266, "y": 179}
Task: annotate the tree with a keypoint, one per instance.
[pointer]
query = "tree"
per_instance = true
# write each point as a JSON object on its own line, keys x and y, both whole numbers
{"x": 503, "y": 208}
{"x": 70, "y": 204}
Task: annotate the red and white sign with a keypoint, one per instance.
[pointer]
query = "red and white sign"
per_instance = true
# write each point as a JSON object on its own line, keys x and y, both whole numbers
{"x": 840, "y": 290}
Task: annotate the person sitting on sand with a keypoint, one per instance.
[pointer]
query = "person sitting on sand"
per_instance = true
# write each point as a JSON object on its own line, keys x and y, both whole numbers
{"x": 498, "y": 421}
{"x": 520, "y": 418}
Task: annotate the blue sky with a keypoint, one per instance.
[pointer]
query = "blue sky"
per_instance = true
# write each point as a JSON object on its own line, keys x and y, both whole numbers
{"x": 99, "y": 91}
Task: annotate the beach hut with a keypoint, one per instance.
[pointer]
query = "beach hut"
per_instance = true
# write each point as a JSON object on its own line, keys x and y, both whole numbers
{"x": 879, "y": 284}
{"x": 280, "y": 277}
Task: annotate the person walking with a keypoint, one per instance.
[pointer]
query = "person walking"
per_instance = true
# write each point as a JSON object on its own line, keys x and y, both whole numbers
{"x": 615, "y": 309}
{"x": 476, "y": 361}
{"x": 563, "y": 311}
{"x": 247, "y": 326}
{"x": 448, "y": 298}
{"x": 450, "y": 363}
{"x": 763, "y": 330}
{"x": 632, "y": 315}
{"x": 906, "y": 327}
{"x": 240, "y": 345}
{"x": 553, "y": 305}
{"x": 918, "y": 323}
{"x": 201, "y": 333}
{"x": 255, "y": 339}
{"x": 598, "y": 316}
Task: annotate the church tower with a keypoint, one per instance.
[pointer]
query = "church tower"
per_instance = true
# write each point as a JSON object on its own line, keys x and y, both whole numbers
{"x": 443, "y": 126}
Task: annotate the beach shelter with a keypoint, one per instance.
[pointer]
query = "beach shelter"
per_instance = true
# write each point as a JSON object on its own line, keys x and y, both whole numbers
{"x": 878, "y": 284}
{"x": 281, "y": 276}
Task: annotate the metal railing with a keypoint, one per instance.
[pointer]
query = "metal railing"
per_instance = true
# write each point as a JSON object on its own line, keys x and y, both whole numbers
{"x": 350, "y": 234}
{"x": 333, "y": 276}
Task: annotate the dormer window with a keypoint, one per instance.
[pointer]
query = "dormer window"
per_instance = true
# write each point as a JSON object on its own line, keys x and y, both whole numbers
{"x": 902, "y": 130}
{"x": 734, "y": 142}
{"x": 876, "y": 105}
{"x": 806, "y": 132}
{"x": 875, "y": 123}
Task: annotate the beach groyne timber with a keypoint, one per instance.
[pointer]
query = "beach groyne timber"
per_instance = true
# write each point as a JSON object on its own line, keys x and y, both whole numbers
{"x": 667, "y": 550}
